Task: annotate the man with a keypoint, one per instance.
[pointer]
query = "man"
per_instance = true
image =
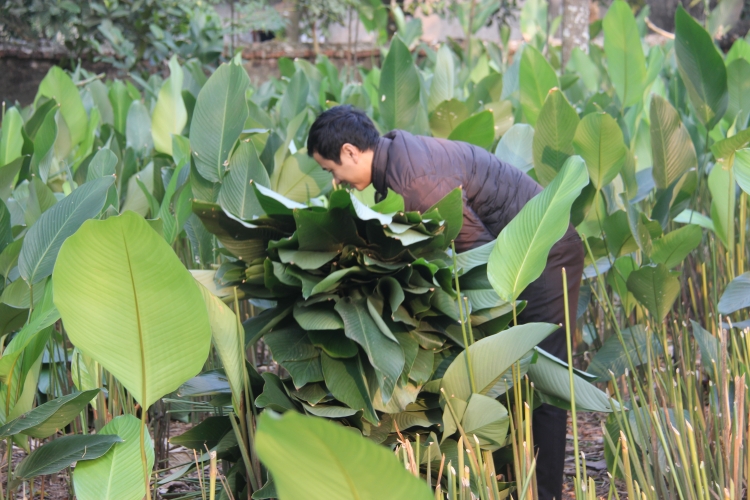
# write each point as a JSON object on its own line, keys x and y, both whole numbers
{"x": 345, "y": 142}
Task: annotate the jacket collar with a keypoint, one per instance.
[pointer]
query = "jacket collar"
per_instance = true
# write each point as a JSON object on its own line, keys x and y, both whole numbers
{"x": 380, "y": 165}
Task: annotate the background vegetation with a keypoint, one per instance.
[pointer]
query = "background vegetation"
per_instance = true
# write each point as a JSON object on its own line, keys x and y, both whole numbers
{"x": 169, "y": 250}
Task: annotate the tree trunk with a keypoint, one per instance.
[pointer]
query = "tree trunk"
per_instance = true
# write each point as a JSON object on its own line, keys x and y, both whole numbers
{"x": 575, "y": 27}
{"x": 292, "y": 25}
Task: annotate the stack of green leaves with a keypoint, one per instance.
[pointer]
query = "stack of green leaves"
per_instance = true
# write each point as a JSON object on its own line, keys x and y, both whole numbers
{"x": 365, "y": 307}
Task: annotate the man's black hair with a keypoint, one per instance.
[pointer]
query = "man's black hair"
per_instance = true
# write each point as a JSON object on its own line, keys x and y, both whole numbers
{"x": 337, "y": 126}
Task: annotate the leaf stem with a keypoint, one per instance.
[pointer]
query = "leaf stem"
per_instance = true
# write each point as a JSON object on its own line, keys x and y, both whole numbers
{"x": 463, "y": 321}
{"x": 144, "y": 461}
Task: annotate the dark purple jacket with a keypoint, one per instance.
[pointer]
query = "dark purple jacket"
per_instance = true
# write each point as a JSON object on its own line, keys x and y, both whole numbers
{"x": 425, "y": 169}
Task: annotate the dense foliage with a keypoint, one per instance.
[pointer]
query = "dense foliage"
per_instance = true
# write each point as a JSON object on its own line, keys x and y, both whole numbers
{"x": 152, "y": 242}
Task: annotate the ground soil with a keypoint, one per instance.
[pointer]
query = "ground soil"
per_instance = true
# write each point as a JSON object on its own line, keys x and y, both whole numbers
{"x": 590, "y": 442}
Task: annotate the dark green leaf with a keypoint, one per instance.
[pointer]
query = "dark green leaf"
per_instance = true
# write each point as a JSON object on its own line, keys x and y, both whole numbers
{"x": 701, "y": 68}
{"x": 62, "y": 452}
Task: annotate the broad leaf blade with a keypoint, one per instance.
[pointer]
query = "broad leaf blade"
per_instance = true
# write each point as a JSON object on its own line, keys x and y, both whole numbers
{"x": 124, "y": 295}
{"x": 671, "y": 147}
{"x": 121, "y": 465}
{"x": 625, "y": 60}
{"x": 491, "y": 357}
{"x": 46, "y": 236}
{"x": 553, "y": 137}
{"x": 736, "y": 296}
{"x": 46, "y": 419}
{"x": 701, "y": 68}
{"x": 62, "y": 452}
{"x": 521, "y": 249}
{"x": 399, "y": 88}
{"x": 654, "y": 287}
{"x": 311, "y": 458}
{"x": 219, "y": 116}
{"x": 536, "y": 78}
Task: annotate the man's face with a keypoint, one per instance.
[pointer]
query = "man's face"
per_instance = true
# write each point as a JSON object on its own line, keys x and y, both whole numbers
{"x": 355, "y": 168}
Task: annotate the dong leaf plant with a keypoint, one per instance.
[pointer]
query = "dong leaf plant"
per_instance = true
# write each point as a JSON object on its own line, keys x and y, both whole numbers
{"x": 110, "y": 190}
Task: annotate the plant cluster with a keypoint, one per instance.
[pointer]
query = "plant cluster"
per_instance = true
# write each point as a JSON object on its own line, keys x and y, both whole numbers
{"x": 168, "y": 233}
{"x": 129, "y": 34}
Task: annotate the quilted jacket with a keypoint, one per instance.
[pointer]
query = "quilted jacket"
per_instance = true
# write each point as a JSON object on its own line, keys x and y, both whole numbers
{"x": 425, "y": 169}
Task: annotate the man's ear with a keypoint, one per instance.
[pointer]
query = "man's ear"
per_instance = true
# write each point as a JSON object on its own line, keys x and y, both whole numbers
{"x": 350, "y": 151}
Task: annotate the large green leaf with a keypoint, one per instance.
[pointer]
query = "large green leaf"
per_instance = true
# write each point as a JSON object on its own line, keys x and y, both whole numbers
{"x": 701, "y": 68}
{"x": 722, "y": 185}
{"x": 671, "y": 147}
{"x": 58, "y": 85}
{"x": 46, "y": 236}
{"x": 229, "y": 341}
{"x": 656, "y": 288}
{"x": 206, "y": 434}
{"x": 521, "y": 250}
{"x": 43, "y": 315}
{"x": 218, "y": 118}
{"x": 124, "y": 295}
{"x": 138, "y": 129}
{"x": 625, "y": 60}
{"x": 478, "y": 130}
{"x": 486, "y": 419}
{"x": 536, "y": 79}
{"x": 443, "y": 80}
{"x": 46, "y": 419}
{"x": 742, "y": 169}
{"x": 738, "y": 83}
{"x": 600, "y": 143}
{"x": 736, "y": 296}
{"x": 346, "y": 380}
{"x": 11, "y": 140}
{"x": 552, "y": 382}
{"x": 121, "y": 100}
{"x": 6, "y": 231}
{"x": 384, "y": 354}
{"x": 672, "y": 248}
{"x": 315, "y": 459}
{"x": 300, "y": 178}
{"x": 491, "y": 357}
{"x": 399, "y": 88}
{"x": 237, "y": 195}
{"x": 727, "y": 147}
{"x": 63, "y": 452}
{"x": 295, "y": 97}
{"x": 446, "y": 117}
{"x": 44, "y": 142}
{"x": 121, "y": 465}
{"x": 170, "y": 115}
{"x": 553, "y": 136}
{"x": 612, "y": 356}
{"x": 515, "y": 147}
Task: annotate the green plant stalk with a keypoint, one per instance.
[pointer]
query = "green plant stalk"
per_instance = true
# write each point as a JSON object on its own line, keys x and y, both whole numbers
{"x": 622, "y": 421}
{"x": 743, "y": 222}
{"x": 609, "y": 310}
{"x": 144, "y": 461}
{"x": 569, "y": 346}
{"x": 451, "y": 481}
{"x": 244, "y": 453}
{"x": 672, "y": 468}
{"x": 460, "y": 448}
{"x": 689, "y": 480}
{"x": 463, "y": 323}
{"x": 626, "y": 466}
{"x": 701, "y": 487}
{"x": 527, "y": 479}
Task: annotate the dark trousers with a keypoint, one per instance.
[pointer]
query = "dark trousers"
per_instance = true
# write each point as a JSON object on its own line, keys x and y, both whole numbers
{"x": 545, "y": 303}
